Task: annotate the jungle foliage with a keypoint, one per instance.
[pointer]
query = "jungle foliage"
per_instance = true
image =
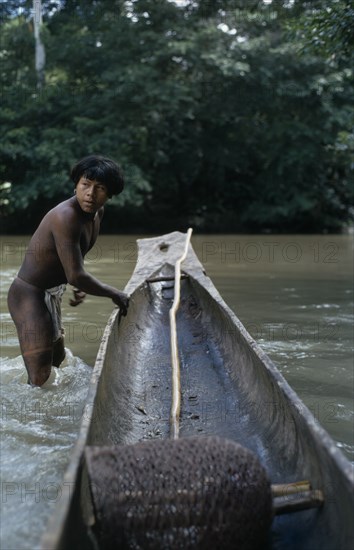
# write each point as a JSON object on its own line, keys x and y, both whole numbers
{"x": 227, "y": 115}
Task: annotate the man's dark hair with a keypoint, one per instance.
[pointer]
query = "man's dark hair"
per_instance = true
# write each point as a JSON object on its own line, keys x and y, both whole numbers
{"x": 102, "y": 169}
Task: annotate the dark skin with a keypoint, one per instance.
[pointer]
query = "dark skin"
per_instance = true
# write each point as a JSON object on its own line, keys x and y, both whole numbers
{"x": 55, "y": 255}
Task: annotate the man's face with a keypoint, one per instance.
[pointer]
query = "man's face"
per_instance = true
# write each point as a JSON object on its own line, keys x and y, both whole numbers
{"x": 91, "y": 195}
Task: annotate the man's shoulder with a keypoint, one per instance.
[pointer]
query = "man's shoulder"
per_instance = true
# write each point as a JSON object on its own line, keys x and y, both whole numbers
{"x": 64, "y": 217}
{"x": 64, "y": 211}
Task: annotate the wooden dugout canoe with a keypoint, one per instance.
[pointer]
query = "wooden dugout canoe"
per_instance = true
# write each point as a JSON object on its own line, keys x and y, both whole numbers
{"x": 229, "y": 388}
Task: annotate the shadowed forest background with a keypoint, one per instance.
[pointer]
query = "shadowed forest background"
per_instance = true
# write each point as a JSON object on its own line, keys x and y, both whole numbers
{"x": 227, "y": 115}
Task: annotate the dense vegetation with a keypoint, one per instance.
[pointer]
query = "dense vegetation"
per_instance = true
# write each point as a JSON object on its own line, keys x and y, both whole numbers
{"x": 229, "y": 115}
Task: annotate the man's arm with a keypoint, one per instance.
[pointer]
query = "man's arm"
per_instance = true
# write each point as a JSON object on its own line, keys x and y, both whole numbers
{"x": 66, "y": 232}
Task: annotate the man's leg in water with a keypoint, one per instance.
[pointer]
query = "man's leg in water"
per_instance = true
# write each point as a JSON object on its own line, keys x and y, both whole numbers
{"x": 34, "y": 327}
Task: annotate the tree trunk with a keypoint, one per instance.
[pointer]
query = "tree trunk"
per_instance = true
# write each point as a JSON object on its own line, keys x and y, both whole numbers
{"x": 40, "y": 51}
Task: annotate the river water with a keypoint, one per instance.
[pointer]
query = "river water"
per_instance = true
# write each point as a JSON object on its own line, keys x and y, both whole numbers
{"x": 293, "y": 293}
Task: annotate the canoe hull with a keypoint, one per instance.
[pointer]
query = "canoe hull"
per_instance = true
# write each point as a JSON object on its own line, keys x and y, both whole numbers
{"x": 230, "y": 388}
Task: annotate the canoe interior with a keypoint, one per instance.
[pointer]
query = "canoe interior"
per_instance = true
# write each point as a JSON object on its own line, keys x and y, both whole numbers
{"x": 220, "y": 390}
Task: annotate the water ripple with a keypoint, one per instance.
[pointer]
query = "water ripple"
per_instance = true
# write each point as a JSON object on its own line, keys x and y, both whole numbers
{"x": 39, "y": 427}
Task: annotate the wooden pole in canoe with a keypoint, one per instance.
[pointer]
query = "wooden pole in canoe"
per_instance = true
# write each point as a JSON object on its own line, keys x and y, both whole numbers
{"x": 176, "y": 379}
{"x": 286, "y": 489}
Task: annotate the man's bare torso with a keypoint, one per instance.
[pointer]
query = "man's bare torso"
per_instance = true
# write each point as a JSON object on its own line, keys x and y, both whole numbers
{"x": 65, "y": 234}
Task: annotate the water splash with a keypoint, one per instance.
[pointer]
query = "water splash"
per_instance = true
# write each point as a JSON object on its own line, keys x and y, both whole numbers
{"x": 39, "y": 427}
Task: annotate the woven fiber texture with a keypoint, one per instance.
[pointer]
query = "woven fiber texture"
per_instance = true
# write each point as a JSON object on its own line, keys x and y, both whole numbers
{"x": 188, "y": 493}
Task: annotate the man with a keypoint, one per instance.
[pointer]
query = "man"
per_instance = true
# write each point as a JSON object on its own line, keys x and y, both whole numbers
{"x": 55, "y": 256}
